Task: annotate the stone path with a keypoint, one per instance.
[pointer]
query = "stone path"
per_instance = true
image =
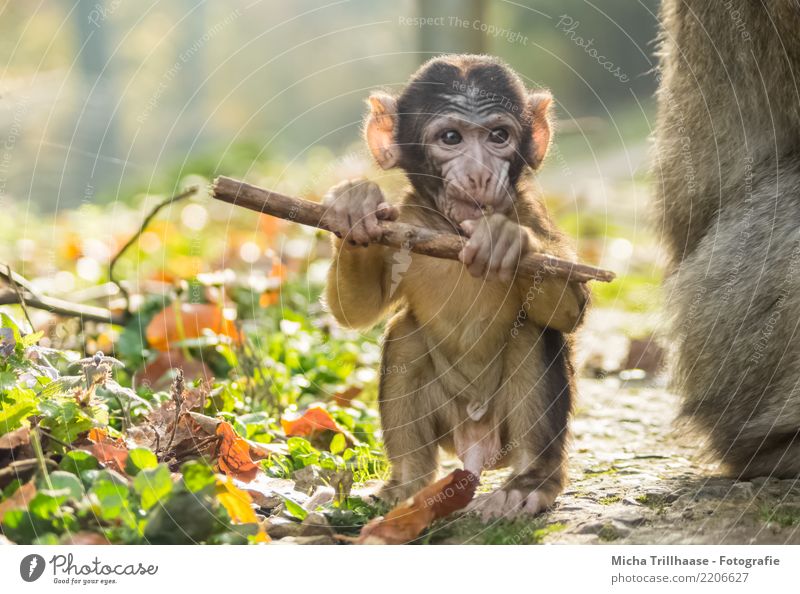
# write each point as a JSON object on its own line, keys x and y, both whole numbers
{"x": 635, "y": 479}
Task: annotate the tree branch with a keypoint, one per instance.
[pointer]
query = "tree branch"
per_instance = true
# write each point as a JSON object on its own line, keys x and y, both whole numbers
{"x": 190, "y": 191}
{"x": 395, "y": 235}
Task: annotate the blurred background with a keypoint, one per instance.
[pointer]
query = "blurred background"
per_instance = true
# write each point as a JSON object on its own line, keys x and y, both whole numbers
{"x": 109, "y": 106}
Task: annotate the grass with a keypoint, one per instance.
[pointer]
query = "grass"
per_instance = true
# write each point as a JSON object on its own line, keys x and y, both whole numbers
{"x": 782, "y": 515}
{"x": 471, "y": 529}
{"x": 610, "y": 500}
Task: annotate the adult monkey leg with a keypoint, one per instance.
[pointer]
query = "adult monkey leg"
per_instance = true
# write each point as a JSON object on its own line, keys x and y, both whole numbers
{"x": 728, "y": 190}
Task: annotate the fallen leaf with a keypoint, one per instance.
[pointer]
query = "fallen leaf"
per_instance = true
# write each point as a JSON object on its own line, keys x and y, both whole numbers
{"x": 406, "y": 522}
{"x": 179, "y": 322}
{"x": 19, "y": 498}
{"x": 345, "y": 397}
{"x": 156, "y": 373}
{"x": 239, "y": 506}
{"x": 313, "y": 420}
{"x": 234, "y": 454}
{"x": 14, "y": 439}
{"x": 85, "y": 538}
{"x": 109, "y": 452}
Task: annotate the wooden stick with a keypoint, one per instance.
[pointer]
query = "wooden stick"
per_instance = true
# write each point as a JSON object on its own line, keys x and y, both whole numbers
{"x": 395, "y": 234}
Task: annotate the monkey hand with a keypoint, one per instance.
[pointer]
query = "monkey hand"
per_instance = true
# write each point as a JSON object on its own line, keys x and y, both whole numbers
{"x": 354, "y": 209}
{"x": 495, "y": 246}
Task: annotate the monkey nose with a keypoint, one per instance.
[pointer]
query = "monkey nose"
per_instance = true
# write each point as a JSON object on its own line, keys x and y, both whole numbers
{"x": 479, "y": 183}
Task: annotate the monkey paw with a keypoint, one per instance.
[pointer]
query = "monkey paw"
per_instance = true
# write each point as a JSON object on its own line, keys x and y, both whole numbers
{"x": 507, "y": 503}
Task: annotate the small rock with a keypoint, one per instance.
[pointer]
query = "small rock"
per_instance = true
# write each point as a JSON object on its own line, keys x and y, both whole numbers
{"x": 742, "y": 490}
{"x": 306, "y": 479}
{"x": 319, "y": 539}
{"x": 322, "y": 496}
{"x": 606, "y": 530}
{"x": 266, "y": 491}
{"x": 279, "y": 528}
{"x": 629, "y": 517}
{"x": 315, "y": 524}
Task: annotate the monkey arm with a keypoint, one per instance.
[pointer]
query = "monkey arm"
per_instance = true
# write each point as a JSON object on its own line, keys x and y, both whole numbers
{"x": 550, "y": 301}
{"x": 358, "y": 291}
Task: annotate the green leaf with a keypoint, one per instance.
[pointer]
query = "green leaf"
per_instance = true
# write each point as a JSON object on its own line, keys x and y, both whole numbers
{"x": 140, "y": 459}
{"x": 186, "y": 518}
{"x": 7, "y": 322}
{"x": 7, "y": 380}
{"x": 197, "y": 476}
{"x": 76, "y": 461}
{"x": 153, "y": 485}
{"x": 112, "y": 496}
{"x": 19, "y": 405}
{"x": 43, "y": 506}
{"x": 294, "y": 509}
{"x": 65, "y": 485}
{"x": 338, "y": 443}
{"x": 31, "y": 339}
{"x": 65, "y": 419}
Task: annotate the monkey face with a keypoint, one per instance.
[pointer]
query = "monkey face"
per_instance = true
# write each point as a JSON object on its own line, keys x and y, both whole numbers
{"x": 464, "y": 129}
{"x": 472, "y": 156}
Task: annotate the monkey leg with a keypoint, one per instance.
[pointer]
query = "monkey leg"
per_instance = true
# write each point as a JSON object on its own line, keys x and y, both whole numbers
{"x": 535, "y": 408}
{"x": 412, "y": 403}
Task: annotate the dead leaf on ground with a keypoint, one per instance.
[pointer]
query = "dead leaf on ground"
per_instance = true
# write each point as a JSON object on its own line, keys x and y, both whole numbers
{"x": 313, "y": 420}
{"x": 19, "y": 498}
{"x": 345, "y": 397}
{"x": 239, "y": 506}
{"x": 16, "y": 438}
{"x": 234, "y": 454}
{"x": 85, "y": 538}
{"x": 155, "y": 374}
{"x": 407, "y": 521}
{"x": 111, "y": 453}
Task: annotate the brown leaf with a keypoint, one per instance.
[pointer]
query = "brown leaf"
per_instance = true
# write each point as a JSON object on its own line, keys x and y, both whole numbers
{"x": 85, "y": 538}
{"x": 14, "y": 439}
{"x": 407, "y": 521}
{"x": 345, "y": 397}
{"x": 234, "y": 454}
{"x": 19, "y": 499}
{"x": 109, "y": 452}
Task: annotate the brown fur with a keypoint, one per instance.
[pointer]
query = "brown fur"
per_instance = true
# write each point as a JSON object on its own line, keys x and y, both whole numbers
{"x": 728, "y": 188}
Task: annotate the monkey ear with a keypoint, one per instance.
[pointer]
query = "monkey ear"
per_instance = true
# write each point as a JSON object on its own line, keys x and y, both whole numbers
{"x": 540, "y": 112}
{"x": 379, "y": 129}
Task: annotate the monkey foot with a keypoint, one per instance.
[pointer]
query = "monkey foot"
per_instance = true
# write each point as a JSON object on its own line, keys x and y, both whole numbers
{"x": 510, "y": 503}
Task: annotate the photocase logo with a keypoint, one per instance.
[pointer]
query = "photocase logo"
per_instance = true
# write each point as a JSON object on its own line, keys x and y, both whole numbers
{"x": 31, "y": 567}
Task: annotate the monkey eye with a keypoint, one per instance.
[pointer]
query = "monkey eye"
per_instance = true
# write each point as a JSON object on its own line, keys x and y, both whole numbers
{"x": 451, "y": 137}
{"x": 498, "y": 135}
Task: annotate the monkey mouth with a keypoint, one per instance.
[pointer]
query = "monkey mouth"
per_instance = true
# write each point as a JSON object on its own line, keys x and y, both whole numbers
{"x": 459, "y": 211}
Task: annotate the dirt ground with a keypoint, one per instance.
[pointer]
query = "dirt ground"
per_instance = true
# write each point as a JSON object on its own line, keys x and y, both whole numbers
{"x": 637, "y": 478}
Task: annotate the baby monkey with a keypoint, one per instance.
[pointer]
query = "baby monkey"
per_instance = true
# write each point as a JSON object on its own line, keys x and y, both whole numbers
{"x": 476, "y": 358}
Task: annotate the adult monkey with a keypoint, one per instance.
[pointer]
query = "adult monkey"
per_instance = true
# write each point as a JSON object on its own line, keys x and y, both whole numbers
{"x": 476, "y": 359}
{"x": 728, "y": 173}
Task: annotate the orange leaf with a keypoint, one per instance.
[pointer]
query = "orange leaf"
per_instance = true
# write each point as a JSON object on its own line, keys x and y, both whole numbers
{"x": 190, "y": 321}
{"x": 234, "y": 454}
{"x": 407, "y": 521}
{"x": 313, "y": 420}
{"x": 110, "y": 453}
